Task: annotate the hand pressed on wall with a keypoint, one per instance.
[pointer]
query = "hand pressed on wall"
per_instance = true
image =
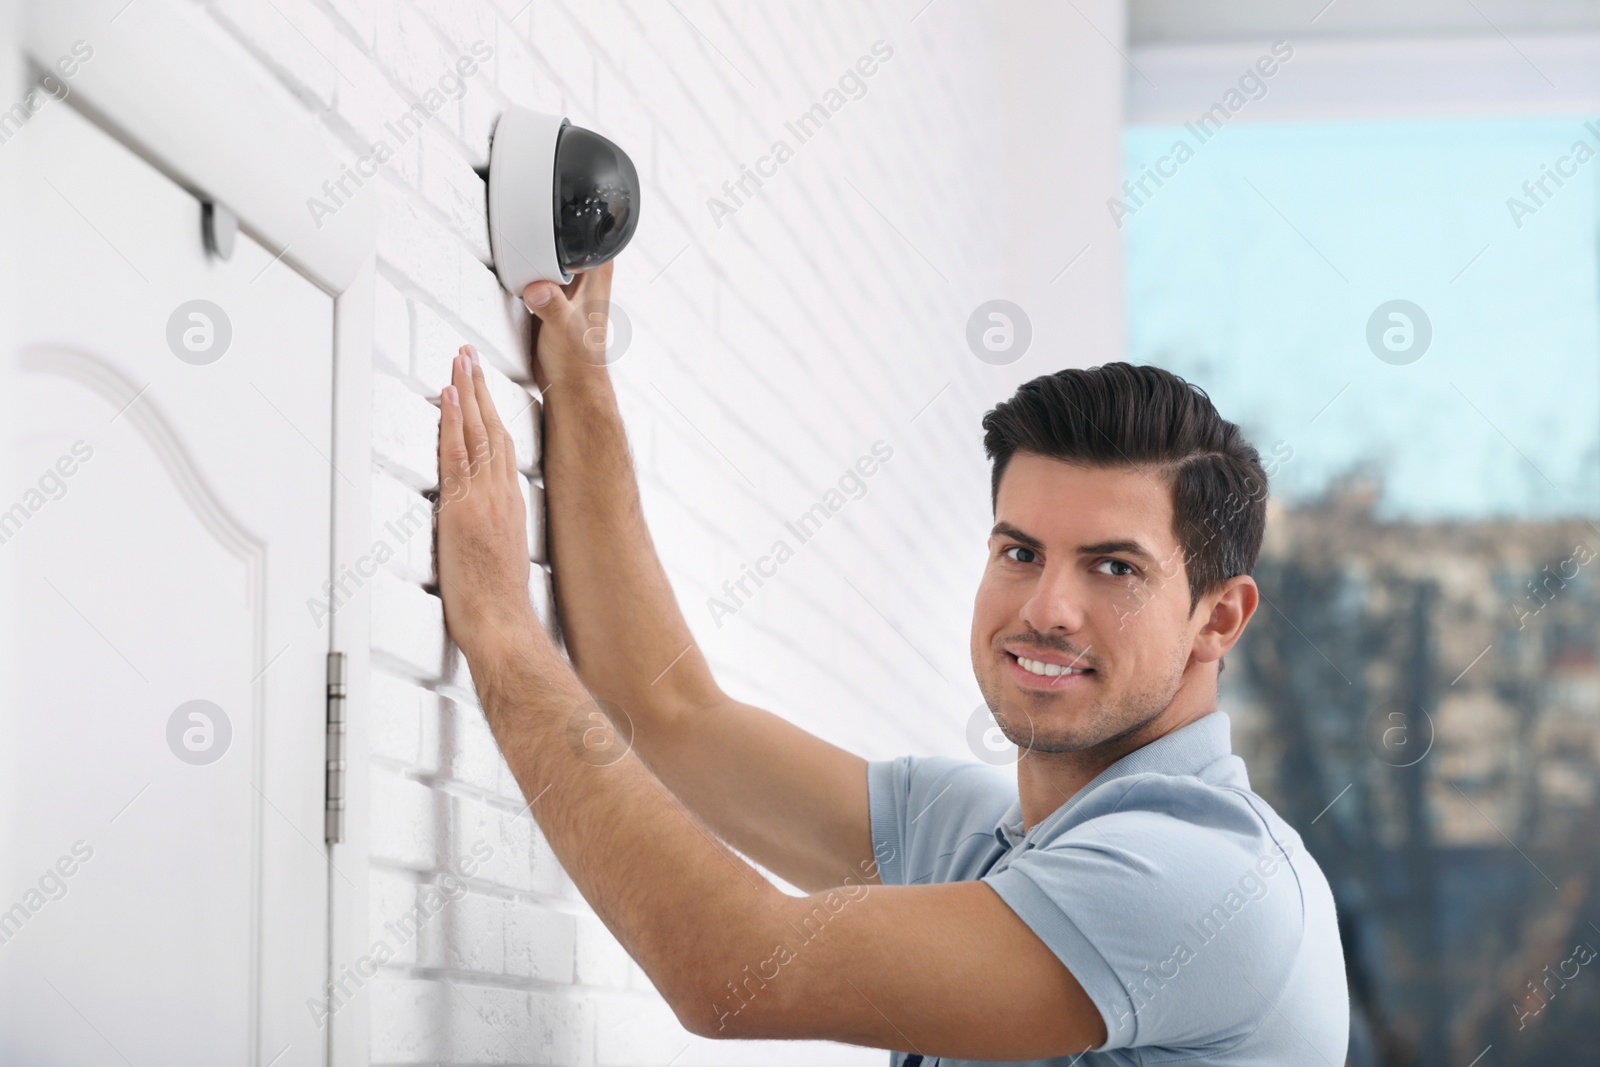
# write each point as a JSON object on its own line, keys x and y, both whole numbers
{"x": 483, "y": 540}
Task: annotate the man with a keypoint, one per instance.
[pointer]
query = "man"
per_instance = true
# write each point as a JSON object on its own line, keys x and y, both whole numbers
{"x": 1130, "y": 901}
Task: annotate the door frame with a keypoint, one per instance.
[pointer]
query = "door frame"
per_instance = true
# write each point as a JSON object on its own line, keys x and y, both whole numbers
{"x": 178, "y": 90}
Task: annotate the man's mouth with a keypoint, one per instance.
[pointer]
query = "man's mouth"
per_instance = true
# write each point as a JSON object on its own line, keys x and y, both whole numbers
{"x": 1043, "y": 669}
{"x": 1055, "y": 672}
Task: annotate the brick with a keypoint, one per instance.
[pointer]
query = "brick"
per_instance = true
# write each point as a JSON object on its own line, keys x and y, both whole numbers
{"x": 420, "y": 1021}
{"x": 479, "y": 110}
{"x": 395, "y": 718}
{"x": 634, "y": 1031}
{"x": 358, "y": 17}
{"x": 456, "y": 192}
{"x": 566, "y": 55}
{"x": 519, "y": 411}
{"x": 568, "y": 1025}
{"x": 457, "y": 674}
{"x": 417, "y": 248}
{"x": 468, "y": 747}
{"x": 506, "y": 834}
{"x": 407, "y": 47}
{"x": 391, "y": 328}
{"x": 405, "y": 433}
{"x": 409, "y": 1020}
{"x": 434, "y": 344}
{"x": 539, "y": 942}
{"x": 407, "y": 626}
{"x": 294, "y": 38}
{"x": 461, "y": 24}
{"x": 468, "y": 934}
{"x": 391, "y": 899}
{"x": 402, "y": 529}
{"x": 522, "y": 76}
{"x": 403, "y": 818}
{"x": 497, "y": 320}
{"x": 369, "y": 107}
{"x": 602, "y": 961}
{"x": 544, "y": 869}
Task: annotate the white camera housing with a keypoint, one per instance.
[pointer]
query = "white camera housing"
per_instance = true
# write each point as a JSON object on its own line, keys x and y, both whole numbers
{"x": 562, "y": 199}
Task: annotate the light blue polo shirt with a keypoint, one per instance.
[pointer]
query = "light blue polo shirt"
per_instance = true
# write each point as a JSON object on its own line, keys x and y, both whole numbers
{"x": 1186, "y": 908}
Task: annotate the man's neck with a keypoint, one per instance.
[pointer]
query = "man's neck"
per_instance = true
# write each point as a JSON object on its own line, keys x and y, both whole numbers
{"x": 1047, "y": 780}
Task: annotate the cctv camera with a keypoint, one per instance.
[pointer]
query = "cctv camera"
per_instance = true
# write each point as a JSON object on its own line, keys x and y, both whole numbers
{"x": 562, "y": 199}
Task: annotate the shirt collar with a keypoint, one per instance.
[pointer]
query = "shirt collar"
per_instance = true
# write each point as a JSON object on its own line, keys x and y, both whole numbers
{"x": 1185, "y": 751}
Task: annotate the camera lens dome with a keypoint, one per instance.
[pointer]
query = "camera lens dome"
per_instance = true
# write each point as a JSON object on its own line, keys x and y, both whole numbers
{"x": 597, "y": 199}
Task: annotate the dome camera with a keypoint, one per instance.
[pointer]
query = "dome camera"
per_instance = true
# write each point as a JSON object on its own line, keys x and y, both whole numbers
{"x": 562, "y": 199}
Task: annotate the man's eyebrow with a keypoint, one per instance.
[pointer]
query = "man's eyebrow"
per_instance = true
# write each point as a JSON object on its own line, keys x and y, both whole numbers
{"x": 1122, "y": 548}
{"x": 1005, "y": 529}
{"x": 1102, "y": 548}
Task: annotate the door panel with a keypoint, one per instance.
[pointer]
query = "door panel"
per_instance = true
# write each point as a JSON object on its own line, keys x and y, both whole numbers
{"x": 164, "y": 532}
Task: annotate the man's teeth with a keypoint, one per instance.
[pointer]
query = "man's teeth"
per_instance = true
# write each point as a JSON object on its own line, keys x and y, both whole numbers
{"x": 1048, "y": 670}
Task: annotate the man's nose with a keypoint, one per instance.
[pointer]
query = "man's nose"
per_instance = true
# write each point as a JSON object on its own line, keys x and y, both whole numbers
{"x": 1056, "y": 602}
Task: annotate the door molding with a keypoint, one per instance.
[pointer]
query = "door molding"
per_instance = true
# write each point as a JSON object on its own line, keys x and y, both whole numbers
{"x": 178, "y": 90}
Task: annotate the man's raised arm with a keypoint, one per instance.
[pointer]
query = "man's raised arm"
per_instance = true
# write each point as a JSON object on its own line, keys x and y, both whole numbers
{"x": 942, "y": 969}
{"x": 788, "y": 799}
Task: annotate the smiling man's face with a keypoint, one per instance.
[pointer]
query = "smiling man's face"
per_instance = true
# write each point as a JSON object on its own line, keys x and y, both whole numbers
{"x": 1085, "y": 575}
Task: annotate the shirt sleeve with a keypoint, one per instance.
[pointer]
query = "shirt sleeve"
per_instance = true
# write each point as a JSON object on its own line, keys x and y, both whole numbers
{"x": 1181, "y": 930}
{"x": 887, "y": 788}
{"x": 923, "y": 808}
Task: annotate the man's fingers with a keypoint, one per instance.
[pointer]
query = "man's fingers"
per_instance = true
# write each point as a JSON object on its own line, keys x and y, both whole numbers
{"x": 452, "y": 446}
{"x": 503, "y": 459}
{"x": 597, "y": 285}
{"x": 471, "y": 418}
{"x": 547, "y": 302}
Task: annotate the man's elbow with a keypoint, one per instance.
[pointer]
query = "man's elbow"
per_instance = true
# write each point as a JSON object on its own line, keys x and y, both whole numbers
{"x": 740, "y": 1004}
{"x": 708, "y": 1019}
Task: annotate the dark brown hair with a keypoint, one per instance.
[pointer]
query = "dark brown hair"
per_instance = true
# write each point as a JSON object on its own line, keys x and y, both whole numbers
{"x": 1142, "y": 417}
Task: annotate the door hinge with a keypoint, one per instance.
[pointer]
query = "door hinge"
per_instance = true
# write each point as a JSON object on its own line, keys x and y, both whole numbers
{"x": 333, "y": 812}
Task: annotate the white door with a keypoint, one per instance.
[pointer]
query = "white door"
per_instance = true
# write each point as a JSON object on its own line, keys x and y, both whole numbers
{"x": 163, "y": 877}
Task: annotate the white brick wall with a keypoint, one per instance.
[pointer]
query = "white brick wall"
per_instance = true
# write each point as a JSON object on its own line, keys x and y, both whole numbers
{"x": 768, "y": 353}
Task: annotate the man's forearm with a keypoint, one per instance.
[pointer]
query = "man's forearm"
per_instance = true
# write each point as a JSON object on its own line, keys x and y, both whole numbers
{"x": 684, "y": 905}
{"x": 619, "y": 617}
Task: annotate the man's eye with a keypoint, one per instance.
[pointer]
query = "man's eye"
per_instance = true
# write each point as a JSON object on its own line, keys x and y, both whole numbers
{"x": 1021, "y": 554}
{"x": 1119, "y": 563}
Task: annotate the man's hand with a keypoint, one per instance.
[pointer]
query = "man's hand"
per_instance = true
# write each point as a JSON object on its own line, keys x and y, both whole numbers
{"x": 483, "y": 534}
{"x": 573, "y": 323}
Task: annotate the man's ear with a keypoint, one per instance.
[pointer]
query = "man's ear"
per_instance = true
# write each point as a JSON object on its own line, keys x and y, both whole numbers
{"x": 1230, "y": 609}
